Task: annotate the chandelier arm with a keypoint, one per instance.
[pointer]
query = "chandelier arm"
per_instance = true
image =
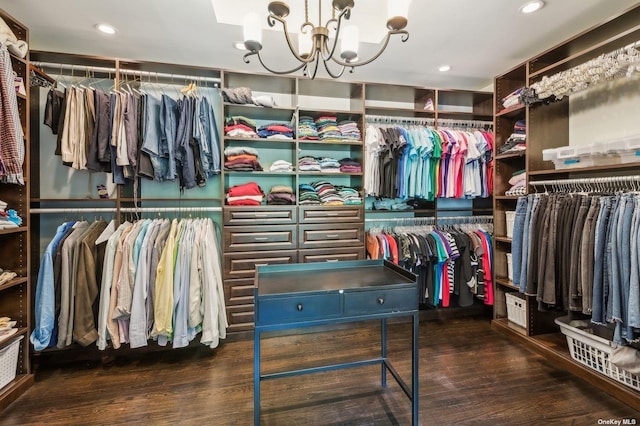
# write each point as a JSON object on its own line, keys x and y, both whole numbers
{"x": 338, "y": 21}
{"x": 405, "y": 37}
{"x": 285, "y": 30}
{"x": 257, "y": 54}
{"x": 326, "y": 67}
{"x": 315, "y": 68}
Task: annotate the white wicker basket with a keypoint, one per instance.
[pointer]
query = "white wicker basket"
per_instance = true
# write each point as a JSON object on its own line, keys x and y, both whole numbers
{"x": 9, "y": 362}
{"x": 510, "y": 219}
{"x": 516, "y": 309}
{"x": 594, "y": 351}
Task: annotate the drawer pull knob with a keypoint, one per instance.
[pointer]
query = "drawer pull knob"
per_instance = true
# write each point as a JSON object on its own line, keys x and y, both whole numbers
{"x": 332, "y": 235}
{"x": 299, "y": 306}
{"x": 380, "y": 301}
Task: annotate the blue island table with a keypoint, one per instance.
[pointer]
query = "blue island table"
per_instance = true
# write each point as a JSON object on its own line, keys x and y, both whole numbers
{"x": 311, "y": 294}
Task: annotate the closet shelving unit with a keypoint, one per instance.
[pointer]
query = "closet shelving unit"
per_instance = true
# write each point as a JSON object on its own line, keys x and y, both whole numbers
{"x": 402, "y": 104}
{"x": 251, "y": 235}
{"x": 548, "y": 126}
{"x": 15, "y": 295}
{"x": 504, "y": 166}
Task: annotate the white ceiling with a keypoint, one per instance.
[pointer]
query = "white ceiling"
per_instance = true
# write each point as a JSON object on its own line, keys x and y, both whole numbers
{"x": 478, "y": 38}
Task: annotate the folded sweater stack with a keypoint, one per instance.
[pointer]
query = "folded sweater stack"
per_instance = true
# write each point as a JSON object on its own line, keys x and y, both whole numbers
{"x": 518, "y": 183}
{"x": 8, "y": 218}
{"x": 239, "y": 126}
{"x": 307, "y": 129}
{"x": 328, "y": 130}
{"x": 241, "y": 159}
{"x": 246, "y": 194}
{"x": 276, "y": 131}
{"x": 349, "y": 131}
{"x": 309, "y": 164}
{"x": 307, "y": 195}
{"x": 329, "y": 165}
{"x": 281, "y": 166}
{"x": 517, "y": 142}
{"x": 281, "y": 195}
{"x": 348, "y": 165}
{"x": 512, "y": 99}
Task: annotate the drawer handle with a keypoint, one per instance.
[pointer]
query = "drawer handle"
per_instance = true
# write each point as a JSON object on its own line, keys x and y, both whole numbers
{"x": 260, "y": 215}
{"x": 380, "y": 301}
{"x": 333, "y": 214}
{"x": 332, "y": 235}
{"x": 261, "y": 238}
{"x": 332, "y": 260}
{"x": 299, "y": 307}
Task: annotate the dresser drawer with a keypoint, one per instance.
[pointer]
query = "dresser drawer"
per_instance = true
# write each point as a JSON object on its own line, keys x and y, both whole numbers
{"x": 331, "y": 255}
{"x": 259, "y": 216}
{"x": 243, "y": 265}
{"x": 315, "y": 214}
{"x": 279, "y": 310}
{"x": 380, "y": 301}
{"x": 240, "y": 318}
{"x": 334, "y": 235}
{"x": 239, "y": 292}
{"x": 251, "y": 238}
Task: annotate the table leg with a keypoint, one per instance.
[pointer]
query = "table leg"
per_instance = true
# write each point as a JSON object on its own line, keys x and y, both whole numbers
{"x": 414, "y": 369}
{"x": 256, "y": 378}
{"x": 383, "y": 352}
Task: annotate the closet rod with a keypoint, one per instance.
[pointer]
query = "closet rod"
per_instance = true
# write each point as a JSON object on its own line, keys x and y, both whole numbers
{"x": 125, "y": 210}
{"x": 399, "y": 120}
{"x": 464, "y": 123}
{"x": 461, "y": 219}
{"x": 151, "y": 74}
{"x": 582, "y": 181}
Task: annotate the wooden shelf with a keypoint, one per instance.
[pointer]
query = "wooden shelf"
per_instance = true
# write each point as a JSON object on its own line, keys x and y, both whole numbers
{"x": 13, "y": 230}
{"x": 260, "y": 140}
{"x": 513, "y": 111}
{"x": 607, "y": 168}
{"x": 506, "y": 282}
{"x": 16, "y": 58}
{"x": 306, "y": 141}
{"x": 301, "y": 173}
{"x": 14, "y": 282}
{"x": 173, "y": 200}
{"x": 14, "y": 389}
{"x": 465, "y": 115}
{"x": 326, "y": 112}
{"x": 407, "y": 110}
{"x": 503, "y": 324}
{"x": 583, "y": 52}
{"x": 260, "y": 107}
{"x": 260, "y": 173}
{"x": 506, "y": 197}
{"x": 553, "y": 347}
{"x": 511, "y": 156}
{"x": 503, "y": 239}
{"x": 73, "y": 200}
{"x": 22, "y": 331}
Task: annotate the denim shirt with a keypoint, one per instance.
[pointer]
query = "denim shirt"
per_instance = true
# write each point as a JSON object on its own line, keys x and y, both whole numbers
{"x": 45, "y": 293}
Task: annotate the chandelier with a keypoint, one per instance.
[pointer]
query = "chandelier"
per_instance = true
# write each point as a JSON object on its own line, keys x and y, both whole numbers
{"x": 319, "y": 43}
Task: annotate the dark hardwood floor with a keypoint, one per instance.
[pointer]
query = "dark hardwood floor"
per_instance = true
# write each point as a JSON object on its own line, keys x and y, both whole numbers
{"x": 469, "y": 374}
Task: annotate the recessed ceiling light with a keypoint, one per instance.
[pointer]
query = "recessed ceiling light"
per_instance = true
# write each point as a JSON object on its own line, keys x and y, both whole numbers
{"x": 239, "y": 45}
{"x": 444, "y": 68}
{"x": 532, "y": 6}
{"x": 106, "y": 29}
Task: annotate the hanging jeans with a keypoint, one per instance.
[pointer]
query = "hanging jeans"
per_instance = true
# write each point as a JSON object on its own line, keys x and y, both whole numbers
{"x": 518, "y": 234}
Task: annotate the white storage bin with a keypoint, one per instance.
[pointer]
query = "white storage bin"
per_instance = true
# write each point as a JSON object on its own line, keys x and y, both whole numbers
{"x": 628, "y": 149}
{"x": 9, "y": 362}
{"x": 594, "y": 351}
{"x": 510, "y": 218}
{"x": 572, "y": 157}
{"x": 516, "y": 309}
{"x": 510, "y": 267}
